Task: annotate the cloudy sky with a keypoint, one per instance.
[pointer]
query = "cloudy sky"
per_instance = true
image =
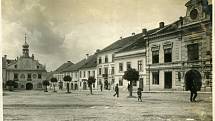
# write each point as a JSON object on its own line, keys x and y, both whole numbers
{"x": 62, "y": 30}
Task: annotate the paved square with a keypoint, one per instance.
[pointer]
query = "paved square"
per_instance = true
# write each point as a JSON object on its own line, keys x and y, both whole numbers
{"x": 102, "y": 106}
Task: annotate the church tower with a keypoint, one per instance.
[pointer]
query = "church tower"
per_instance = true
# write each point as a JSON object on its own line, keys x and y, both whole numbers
{"x": 25, "y": 49}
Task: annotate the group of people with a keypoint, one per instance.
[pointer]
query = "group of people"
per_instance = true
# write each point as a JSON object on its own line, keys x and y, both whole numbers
{"x": 139, "y": 93}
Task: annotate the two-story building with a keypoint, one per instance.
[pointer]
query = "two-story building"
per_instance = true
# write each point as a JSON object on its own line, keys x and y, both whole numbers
{"x": 27, "y": 72}
{"x": 87, "y": 70}
{"x": 105, "y": 60}
{"x": 133, "y": 56}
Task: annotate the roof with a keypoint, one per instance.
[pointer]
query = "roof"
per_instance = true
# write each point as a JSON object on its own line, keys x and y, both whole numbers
{"x": 139, "y": 44}
{"x": 90, "y": 62}
{"x": 75, "y": 67}
{"x": 6, "y": 62}
{"x": 122, "y": 43}
{"x": 64, "y": 66}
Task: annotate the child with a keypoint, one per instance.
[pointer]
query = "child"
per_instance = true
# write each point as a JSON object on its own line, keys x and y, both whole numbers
{"x": 139, "y": 93}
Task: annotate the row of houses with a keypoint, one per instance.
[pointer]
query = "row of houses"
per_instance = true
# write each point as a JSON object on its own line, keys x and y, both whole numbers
{"x": 164, "y": 56}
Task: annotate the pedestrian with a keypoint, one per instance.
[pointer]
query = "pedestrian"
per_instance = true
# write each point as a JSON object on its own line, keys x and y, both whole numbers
{"x": 193, "y": 91}
{"x": 116, "y": 91}
{"x": 101, "y": 86}
{"x": 128, "y": 87}
{"x": 139, "y": 94}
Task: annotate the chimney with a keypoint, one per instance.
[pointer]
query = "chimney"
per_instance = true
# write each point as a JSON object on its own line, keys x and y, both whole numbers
{"x": 5, "y": 56}
{"x": 133, "y": 34}
{"x": 33, "y": 56}
{"x": 161, "y": 24}
{"x": 87, "y": 55}
{"x": 144, "y": 31}
{"x": 121, "y": 38}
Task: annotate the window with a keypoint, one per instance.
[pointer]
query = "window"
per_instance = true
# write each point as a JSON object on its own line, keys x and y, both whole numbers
{"x": 15, "y": 66}
{"x": 15, "y": 76}
{"x": 84, "y": 74}
{"x": 37, "y": 67}
{"x": 128, "y": 65}
{"x": 168, "y": 55}
{"x": 155, "y": 56}
{"x": 106, "y": 70}
{"x": 100, "y": 60}
{"x": 29, "y": 76}
{"x": 140, "y": 65}
{"x": 88, "y": 73}
{"x": 120, "y": 82}
{"x": 22, "y": 76}
{"x": 100, "y": 71}
{"x": 112, "y": 70}
{"x": 80, "y": 74}
{"x": 193, "y": 52}
{"x": 106, "y": 59}
{"x": 120, "y": 67}
{"x": 155, "y": 78}
{"x": 39, "y": 76}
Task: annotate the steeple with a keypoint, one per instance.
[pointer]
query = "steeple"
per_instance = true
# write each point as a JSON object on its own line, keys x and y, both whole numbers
{"x": 25, "y": 48}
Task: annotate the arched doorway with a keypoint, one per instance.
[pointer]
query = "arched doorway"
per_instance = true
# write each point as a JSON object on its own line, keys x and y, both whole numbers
{"x": 193, "y": 76}
{"x": 29, "y": 86}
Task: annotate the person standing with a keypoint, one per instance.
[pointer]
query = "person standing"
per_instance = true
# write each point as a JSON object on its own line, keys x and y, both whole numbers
{"x": 193, "y": 91}
{"x": 139, "y": 94}
{"x": 116, "y": 91}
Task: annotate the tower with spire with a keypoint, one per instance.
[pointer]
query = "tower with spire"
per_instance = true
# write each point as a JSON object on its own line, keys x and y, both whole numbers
{"x": 25, "y": 49}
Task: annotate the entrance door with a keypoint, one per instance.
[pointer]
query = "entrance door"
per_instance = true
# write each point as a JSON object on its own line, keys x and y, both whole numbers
{"x": 141, "y": 83}
{"x": 168, "y": 80}
{"x": 85, "y": 86}
{"x": 29, "y": 86}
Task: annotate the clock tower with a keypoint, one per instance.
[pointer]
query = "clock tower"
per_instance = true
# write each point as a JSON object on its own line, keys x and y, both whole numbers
{"x": 197, "y": 10}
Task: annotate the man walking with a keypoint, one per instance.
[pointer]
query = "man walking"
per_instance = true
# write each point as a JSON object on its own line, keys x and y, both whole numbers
{"x": 116, "y": 91}
{"x": 193, "y": 91}
{"x": 139, "y": 94}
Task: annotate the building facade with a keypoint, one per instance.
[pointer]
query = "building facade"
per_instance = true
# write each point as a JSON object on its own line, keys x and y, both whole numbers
{"x": 133, "y": 56}
{"x": 27, "y": 72}
{"x": 181, "y": 48}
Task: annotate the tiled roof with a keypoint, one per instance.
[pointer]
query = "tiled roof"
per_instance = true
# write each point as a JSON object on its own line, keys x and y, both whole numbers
{"x": 63, "y": 66}
{"x": 90, "y": 62}
{"x": 75, "y": 67}
{"x": 122, "y": 43}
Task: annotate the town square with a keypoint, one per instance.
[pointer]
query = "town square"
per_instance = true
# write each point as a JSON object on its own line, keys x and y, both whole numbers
{"x": 128, "y": 60}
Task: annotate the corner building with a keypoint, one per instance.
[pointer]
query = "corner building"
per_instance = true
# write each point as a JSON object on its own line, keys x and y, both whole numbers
{"x": 181, "y": 49}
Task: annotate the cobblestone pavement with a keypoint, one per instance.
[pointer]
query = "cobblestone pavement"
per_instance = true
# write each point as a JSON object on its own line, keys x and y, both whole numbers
{"x": 102, "y": 106}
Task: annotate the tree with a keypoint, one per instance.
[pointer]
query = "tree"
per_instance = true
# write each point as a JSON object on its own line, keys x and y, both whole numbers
{"x": 131, "y": 75}
{"x": 46, "y": 83}
{"x": 90, "y": 81}
{"x": 10, "y": 84}
{"x": 67, "y": 79}
{"x": 54, "y": 81}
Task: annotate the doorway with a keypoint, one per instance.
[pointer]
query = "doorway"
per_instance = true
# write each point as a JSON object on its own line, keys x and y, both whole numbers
{"x": 29, "y": 86}
{"x": 168, "y": 80}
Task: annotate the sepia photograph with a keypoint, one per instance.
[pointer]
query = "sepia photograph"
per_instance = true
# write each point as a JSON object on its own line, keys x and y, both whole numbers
{"x": 106, "y": 60}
